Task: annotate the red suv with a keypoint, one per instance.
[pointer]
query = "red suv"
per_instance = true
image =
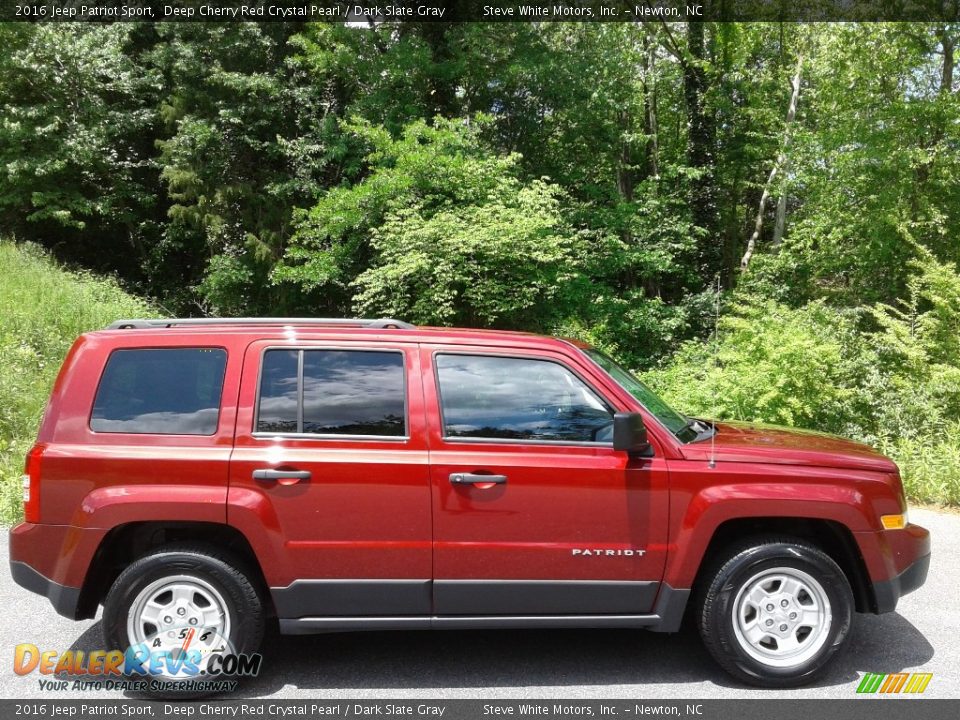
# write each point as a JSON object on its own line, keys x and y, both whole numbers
{"x": 367, "y": 474}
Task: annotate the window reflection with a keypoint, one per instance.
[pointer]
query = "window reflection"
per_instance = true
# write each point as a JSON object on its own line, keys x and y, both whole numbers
{"x": 353, "y": 393}
{"x": 278, "y": 392}
{"x": 345, "y": 392}
{"x": 519, "y": 399}
{"x": 164, "y": 391}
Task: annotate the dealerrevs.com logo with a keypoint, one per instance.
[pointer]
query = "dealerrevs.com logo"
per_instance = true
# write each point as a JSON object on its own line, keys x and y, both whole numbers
{"x": 197, "y": 665}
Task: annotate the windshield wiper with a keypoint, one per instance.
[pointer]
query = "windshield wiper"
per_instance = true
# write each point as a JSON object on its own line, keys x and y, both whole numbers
{"x": 703, "y": 429}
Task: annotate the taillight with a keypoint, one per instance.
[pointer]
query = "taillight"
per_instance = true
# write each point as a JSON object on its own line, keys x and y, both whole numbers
{"x": 31, "y": 484}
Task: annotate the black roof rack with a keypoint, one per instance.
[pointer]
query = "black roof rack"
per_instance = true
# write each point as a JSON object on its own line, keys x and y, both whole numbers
{"x": 378, "y": 323}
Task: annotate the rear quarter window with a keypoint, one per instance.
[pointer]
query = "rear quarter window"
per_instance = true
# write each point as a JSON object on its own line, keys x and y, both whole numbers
{"x": 161, "y": 391}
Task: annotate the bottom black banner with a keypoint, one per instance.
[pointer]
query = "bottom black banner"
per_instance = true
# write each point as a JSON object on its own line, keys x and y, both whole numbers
{"x": 782, "y": 709}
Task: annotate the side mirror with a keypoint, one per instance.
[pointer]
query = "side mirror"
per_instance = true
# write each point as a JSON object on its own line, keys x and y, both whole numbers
{"x": 630, "y": 434}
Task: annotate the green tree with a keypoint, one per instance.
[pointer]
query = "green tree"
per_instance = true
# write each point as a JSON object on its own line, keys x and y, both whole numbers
{"x": 440, "y": 231}
{"x": 231, "y": 164}
{"x": 508, "y": 261}
{"x": 76, "y": 105}
{"x": 875, "y": 165}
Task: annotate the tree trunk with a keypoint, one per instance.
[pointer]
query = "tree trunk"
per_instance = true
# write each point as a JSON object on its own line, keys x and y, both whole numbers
{"x": 780, "y": 225}
{"x": 779, "y": 167}
{"x": 650, "y": 105}
{"x": 700, "y": 144}
{"x": 946, "y": 75}
{"x": 625, "y": 160}
{"x": 442, "y": 98}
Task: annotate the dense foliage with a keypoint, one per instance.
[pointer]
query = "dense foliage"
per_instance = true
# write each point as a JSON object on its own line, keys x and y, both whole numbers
{"x": 596, "y": 180}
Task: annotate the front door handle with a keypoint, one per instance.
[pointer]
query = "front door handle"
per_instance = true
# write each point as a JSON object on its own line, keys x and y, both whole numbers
{"x": 476, "y": 478}
{"x": 283, "y": 477}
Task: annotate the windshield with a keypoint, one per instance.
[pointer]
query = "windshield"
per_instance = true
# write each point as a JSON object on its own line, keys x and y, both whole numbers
{"x": 675, "y": 422}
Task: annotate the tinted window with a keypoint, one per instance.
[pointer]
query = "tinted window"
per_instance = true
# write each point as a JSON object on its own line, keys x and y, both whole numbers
{"x": 279, "y": 392}
{"x": 353, "y": 393}
{"x": 519, "y": 399}
{"x": 677, "y": 423}
{"x": 173, "y": 391}
{"x": 337, "y": 392}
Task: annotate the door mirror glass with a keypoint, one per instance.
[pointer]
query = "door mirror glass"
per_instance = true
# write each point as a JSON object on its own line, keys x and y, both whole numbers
{"x": 630, "y": 434}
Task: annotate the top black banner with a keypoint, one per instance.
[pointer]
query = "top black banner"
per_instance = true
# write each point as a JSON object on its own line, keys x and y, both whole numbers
{"x": 364, "y": 12}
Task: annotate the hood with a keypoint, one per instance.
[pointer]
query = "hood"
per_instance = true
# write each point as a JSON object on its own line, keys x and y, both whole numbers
{"x": 745, "y": 442}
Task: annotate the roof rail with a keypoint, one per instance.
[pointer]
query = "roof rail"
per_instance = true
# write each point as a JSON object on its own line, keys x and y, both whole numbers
{"x": 378, "y": 323}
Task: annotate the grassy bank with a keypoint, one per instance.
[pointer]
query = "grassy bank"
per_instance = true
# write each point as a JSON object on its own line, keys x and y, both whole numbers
{"x": 43, "y": 308}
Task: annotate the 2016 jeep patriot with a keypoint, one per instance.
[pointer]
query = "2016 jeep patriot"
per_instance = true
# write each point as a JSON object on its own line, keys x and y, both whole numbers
{"x": 368, "y": 474}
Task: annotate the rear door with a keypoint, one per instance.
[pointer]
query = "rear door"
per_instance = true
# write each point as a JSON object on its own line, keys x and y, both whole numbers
{"x": 330, "y": 468}
{"x": 534, "y": 511}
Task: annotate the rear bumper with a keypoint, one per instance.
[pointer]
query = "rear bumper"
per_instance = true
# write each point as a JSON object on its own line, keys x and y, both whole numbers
{"x": 65, "y": 599}
{"x": 52, "y": 560}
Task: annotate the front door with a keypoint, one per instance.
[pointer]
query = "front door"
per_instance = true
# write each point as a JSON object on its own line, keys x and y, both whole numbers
{"x": 330, "y": 470}
{"x": 534, "y": 512}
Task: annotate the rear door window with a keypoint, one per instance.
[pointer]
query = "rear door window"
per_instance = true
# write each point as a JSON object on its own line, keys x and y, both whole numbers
{"x": 333, "y": 392}
{"x": 162, "y": 391}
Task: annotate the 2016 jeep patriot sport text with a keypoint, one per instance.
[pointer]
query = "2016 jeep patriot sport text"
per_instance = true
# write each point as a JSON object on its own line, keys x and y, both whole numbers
{"x": 368, "y": 474}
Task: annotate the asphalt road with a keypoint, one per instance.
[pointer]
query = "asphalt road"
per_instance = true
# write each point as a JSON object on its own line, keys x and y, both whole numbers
{"x": 923, "y": 635}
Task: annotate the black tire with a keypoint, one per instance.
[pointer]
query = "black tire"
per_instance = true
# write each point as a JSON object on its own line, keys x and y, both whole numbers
{"x": 219, "y": 571}
{"x": 748, "y": 565}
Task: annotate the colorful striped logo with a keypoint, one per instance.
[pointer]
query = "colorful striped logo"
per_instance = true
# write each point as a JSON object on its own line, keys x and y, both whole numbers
{"x": 894, "y": 683}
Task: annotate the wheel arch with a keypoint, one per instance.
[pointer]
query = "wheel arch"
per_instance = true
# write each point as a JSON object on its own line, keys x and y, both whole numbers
{"x": 125, "y": 543}
{"x": 830, "y": 536}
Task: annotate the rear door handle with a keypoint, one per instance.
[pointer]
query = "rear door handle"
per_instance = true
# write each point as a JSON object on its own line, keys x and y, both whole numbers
{"x": 474, "y": 478}
{"x": 283, "y": 477}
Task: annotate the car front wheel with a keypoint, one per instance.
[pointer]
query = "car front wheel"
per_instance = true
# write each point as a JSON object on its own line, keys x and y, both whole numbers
{"x": 775, "y": 612}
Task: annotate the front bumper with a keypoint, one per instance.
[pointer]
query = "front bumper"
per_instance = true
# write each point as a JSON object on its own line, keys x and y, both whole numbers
{"x": 889, "y": 592}
{"x": 901, "y": 561}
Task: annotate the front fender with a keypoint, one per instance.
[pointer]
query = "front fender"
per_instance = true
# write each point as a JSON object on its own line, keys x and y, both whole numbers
{"x": 694, "y": 523}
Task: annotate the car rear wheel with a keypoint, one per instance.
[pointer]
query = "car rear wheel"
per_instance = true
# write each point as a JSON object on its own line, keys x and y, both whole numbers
{"x": 181, "y": 611}
{"x": 775, "y": 612}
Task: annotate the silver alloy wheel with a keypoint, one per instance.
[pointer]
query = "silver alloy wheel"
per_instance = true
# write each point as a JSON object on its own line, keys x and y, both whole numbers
{"x": 782, "y": 617}
{"x": 178, "y": 614}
